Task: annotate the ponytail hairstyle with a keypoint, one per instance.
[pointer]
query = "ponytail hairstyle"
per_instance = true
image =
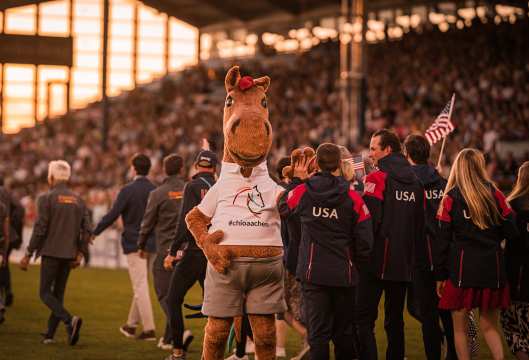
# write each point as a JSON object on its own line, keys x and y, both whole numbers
{"x": 469, "y": 176}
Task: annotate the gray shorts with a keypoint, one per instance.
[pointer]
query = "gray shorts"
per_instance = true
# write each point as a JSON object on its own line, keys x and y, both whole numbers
{"x": 255, "y": 284}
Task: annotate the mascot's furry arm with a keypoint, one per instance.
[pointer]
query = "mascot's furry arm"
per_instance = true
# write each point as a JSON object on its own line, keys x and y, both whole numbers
{"x": 219, "y": 256}
{"x": 298, "y": 156}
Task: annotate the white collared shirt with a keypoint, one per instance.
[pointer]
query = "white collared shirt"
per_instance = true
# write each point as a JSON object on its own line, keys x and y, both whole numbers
{"x": 244, "y": 209}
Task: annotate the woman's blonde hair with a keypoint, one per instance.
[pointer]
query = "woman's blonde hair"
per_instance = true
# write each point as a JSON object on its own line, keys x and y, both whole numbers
{"x": 521, "y": 188}
{"x": 469, "y": 176}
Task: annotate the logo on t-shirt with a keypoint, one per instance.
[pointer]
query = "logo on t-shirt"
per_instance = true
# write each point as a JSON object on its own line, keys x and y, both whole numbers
{"x": 65, "y": 199}
{"x": 253, "y": 198}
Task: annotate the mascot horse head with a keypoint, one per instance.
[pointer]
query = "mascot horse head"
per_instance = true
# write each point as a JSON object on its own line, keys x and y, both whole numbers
{"x": 247, "y": 130}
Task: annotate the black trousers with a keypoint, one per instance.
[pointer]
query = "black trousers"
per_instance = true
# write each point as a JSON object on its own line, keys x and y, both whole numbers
{"x": 188, "y": 271}
{"x": 5, "y": 277}
{"x": 54, "y": 274}
{"x": 329, "y": 314}
{"x": 370, "y": 291}
{"x": 162, "y": 280}
{"x": 423, "y": 305}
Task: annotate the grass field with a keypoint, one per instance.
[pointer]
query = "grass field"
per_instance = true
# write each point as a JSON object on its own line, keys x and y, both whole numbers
{"x": 102, "y": 298}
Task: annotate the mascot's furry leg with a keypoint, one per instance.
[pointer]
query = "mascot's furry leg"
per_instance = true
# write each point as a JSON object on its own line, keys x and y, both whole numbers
{"x": 264, "y": 336}
{"x": 215, "y": 337}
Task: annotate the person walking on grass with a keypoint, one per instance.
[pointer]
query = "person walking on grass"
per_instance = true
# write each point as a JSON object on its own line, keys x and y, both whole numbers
{"x": 474, "y": 218}
{"x": 161, "y": 218}
{"x": 60, "y": 236}
{"x": 130, "y": 205}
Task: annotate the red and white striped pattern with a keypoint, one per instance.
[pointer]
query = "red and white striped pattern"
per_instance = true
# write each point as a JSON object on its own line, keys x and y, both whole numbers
{"x": 357, "y": 162}
{"x": 442, "y": 126}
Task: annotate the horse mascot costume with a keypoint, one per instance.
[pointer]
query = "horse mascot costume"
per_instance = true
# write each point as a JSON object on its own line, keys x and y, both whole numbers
{"x": 243, "y": 243}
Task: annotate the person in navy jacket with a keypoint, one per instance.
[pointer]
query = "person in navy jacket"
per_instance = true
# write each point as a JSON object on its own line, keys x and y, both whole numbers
{"x": 130, "y": 205}
{"x": 515, "y": 320}
{"x": 395, "y": 198}
{"x": 336, "y": 240}
{"x": 422, "y": 293}
{"x": 474, "y": 219}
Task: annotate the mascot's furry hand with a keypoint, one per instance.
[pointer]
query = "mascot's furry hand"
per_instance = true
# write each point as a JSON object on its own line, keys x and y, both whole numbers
{"x": 299, "y": 156}
{"x": 218, "y": 256}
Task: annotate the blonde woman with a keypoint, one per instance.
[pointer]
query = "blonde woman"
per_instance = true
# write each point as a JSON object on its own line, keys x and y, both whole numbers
{"x": 474, "y": 218}
{"x": 515, "y": 320}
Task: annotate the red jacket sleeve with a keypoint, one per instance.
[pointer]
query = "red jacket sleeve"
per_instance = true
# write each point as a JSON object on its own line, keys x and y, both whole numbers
{"x": 374, "y": 187}
{"x": 363, "y": 230}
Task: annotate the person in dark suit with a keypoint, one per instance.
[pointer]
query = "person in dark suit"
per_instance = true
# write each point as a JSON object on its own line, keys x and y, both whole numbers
{"x": 15, "y": 216}
{"x": 60, "y": 236}
{"x": 161, "y": 218}
{"x": 130, "y": 204}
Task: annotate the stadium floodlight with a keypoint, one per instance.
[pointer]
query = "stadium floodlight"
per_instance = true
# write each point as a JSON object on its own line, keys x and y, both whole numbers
{"x": 252, "y": 39}
{"x": 415, "y": 20}
{"x": 306, "y": 44}
{"x": 395, "y": 32}
{"x": 287, "y": 45}
{"x": 270, "y": 39}
{"x": 345, "y": 38}
{"x": 444, "y": 26}
{"x": 371, "y": 36}
{"x": 347, "y": 28}
{"x": 481, "y": 11}
{"x": 357, "y": 27}
{"x": 324, "y": 33}
{"x": 451, "y": 19}
{"x": 467, "y": 13}
{"x": 302, "y": 33}
{"x": 504, "y": 10}
{"x": 403, "y": 20}
{"x": 436, "y": 18}
{"x": 376, "y": 25}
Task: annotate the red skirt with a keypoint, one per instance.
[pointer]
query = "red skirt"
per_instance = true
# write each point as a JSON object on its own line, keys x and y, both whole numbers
{"x": 456, "y": 298}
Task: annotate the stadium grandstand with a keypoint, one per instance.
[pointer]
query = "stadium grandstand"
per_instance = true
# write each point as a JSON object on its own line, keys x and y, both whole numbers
{"x": 95, "y": 81}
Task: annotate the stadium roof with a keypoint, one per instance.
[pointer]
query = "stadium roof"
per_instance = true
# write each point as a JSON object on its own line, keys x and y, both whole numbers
{"x": 207, "y": 13}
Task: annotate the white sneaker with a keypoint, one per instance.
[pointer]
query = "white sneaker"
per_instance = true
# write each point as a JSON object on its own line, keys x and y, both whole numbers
{"x": 163, "y": 345}
{"x": 281, "y": 352}
{"x": 235, "y": 357}
{"x": 250, "y": 346}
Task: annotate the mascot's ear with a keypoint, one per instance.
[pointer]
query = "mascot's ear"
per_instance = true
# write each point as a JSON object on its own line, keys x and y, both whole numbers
{"x": 232, "y": 78}
{"x": 264, "y": 82}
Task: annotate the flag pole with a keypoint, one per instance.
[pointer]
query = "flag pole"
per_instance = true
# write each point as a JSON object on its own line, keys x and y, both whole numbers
{"x": 444, "y": 139}
{"x": 441, "y": 153}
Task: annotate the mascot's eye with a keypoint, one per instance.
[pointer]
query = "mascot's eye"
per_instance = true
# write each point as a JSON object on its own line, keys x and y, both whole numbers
{"x": 229, "y": 101}
{"x": 264, "y": 103}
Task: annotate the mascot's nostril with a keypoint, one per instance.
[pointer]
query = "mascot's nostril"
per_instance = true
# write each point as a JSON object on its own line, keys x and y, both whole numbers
{"x": 267, "y": 127}
{"x": 236, "y": 123}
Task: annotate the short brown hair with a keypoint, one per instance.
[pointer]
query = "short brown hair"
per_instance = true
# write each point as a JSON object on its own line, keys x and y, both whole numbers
{"x": 417, "y": 148}
{"x": 328, "y": 157}
{"x": 388, "y": 138}
{"x": 172, "y": 164}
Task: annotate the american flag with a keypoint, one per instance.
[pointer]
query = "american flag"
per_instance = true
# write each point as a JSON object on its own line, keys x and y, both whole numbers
{"x": 442, "y": 126}
{"x": 357, "y": 162}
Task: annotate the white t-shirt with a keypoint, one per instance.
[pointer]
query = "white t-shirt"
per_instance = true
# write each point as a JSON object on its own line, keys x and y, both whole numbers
{"x": 244, "y": 209}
